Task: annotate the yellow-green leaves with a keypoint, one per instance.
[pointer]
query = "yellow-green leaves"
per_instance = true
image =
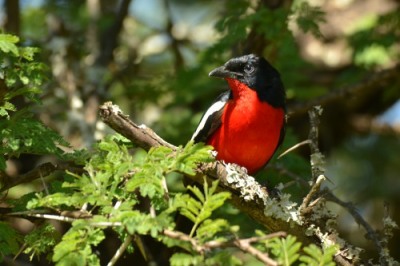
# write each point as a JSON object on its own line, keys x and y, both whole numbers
{"x": 8, "y": 44}
{"x": 199, "y": 208}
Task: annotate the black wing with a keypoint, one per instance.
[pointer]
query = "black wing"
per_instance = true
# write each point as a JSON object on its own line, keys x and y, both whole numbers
{"x": 211, "y": 120}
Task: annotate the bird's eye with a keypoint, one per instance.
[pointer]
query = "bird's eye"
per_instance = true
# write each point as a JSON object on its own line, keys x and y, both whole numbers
{"x": 249, "y": 69}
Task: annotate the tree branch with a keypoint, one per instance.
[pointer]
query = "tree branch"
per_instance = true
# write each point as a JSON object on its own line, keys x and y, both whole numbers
{"x": 371, "y": 233}
{"x": 373, "y": 82}
{"x": 317, "y": 161}
{"x": 142, "y": 136}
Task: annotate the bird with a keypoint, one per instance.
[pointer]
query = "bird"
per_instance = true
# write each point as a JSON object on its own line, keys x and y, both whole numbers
{"x": 245, "y": 124}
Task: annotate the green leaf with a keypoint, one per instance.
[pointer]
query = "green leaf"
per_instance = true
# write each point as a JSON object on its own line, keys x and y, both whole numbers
{"x": 209, "y": 228}
{"x": 186, "y": 159}
{"x": 286, "y": 250}
{"x": 7, "y": 106}
{"x": 10, "y": 240}
{"x": 196, "y": 191}
{"x": 28, "y": 135}
{"x": 200, "y": 210}
{"x": 75, "y": 247}
{"x": 28, "y": 52}
{"x": 41, "y": 240}
{"x": 137, "y": 222}
{"x": 317, "y": 257}
{"x": 7, "y": 44}
{"x": 308, "y": 17}
{"x": 183, "y": 259}
{"x": 223, "y": 258}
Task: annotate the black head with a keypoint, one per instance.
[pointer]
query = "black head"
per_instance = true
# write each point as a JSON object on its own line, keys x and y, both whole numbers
{"x": 257, "y": 74}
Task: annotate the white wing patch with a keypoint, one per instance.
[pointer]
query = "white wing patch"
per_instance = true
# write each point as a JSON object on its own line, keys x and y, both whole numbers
{"x": 217, "y": 106}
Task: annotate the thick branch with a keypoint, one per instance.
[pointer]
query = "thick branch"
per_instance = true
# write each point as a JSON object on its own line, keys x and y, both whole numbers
{"x": 142, "y": 136}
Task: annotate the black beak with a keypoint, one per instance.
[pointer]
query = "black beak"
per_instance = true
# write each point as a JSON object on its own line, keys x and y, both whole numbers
{"x": 222, "y": 72}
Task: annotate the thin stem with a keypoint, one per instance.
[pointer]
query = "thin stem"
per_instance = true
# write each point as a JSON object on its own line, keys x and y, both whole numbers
{"x": 120, "y": 251}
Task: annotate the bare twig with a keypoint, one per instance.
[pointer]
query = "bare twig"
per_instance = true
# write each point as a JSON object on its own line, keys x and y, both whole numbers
{"x": 44, "y": 184}
{"x": 263, "y": 257}
{"x": 317, "y": 158}
{"x": 304, "y": 142}
{"x": 284, "y": 171}
{"x": 120, "y": 251}
{"x": 317, "y": 161}
{"x": 183, "y": 237}
{"x": 63, "y": 218}
{"x": 261, "y": 238}
{"x": 306, "y": 206}
{"x": 371, "y": 233}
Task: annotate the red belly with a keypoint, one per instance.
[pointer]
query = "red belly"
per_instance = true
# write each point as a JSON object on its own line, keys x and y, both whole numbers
{"x": 249, "y": 133}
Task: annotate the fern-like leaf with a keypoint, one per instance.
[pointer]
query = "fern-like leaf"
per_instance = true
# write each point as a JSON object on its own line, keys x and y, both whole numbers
{"x": 200, "y": 209}
{"x": 317, "y": 257}
{"x": 75, "y": 247}
{"x": 286, "y": 250}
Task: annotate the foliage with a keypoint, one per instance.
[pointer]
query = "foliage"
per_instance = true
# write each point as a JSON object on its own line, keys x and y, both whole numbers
{"x": 286, "y": 250}
{"x": 316, "y": 256}
{"x": 199, "y": 210}
{"x": 308, "y": 17}
{"x": 113, "y": 175}
{"x": 10, "y": 240}
{"x": 41, "y": 241}
{"x": 20, "y": 132}
{"x": 374, "y": 39}
{"x": 75, "y": 247}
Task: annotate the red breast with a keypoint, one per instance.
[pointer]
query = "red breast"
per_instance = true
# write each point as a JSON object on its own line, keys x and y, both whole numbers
{"x": 250, "y": 129}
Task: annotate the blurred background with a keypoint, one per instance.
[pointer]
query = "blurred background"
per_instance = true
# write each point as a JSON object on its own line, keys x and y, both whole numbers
{"x": 152, "y": 58}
